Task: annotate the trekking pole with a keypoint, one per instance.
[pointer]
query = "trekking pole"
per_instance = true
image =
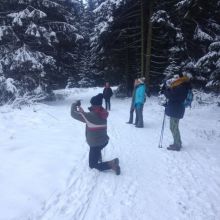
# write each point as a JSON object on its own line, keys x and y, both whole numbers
{"x": 162, "y": 131}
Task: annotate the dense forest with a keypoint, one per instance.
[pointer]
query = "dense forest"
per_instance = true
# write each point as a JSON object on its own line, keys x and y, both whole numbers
{"x": 53, "y": 44}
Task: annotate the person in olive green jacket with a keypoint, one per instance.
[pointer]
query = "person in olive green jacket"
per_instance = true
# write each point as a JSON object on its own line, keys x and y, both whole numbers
{"x": 96, "y": 132}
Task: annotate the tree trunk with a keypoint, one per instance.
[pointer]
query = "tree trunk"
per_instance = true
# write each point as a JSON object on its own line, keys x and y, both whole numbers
{"x": 149, "y": 38}
{"x": 143, "y": 36}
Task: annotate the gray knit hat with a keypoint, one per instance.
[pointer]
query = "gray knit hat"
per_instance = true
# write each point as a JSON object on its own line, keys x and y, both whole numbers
{"x": 141, "y": 80}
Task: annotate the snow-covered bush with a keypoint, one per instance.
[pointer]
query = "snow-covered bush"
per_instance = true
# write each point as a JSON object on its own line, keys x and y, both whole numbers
{"x": 29, "y": 98}
{"x": 71, "y": 83}
{"x": 121, "y": 91}
{"x": 201, "y": 98}
{"x": 208, "y": 67}
{"x": 27, "y": 67}
{"x": 85, "y": 82}
{"x": 13, "y": 92}
{"x": 8, "y": 90}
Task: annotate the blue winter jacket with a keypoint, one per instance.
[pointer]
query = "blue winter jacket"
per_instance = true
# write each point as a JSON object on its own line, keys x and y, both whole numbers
{"x": 176, "y": 96}
{"x": 140, "y": 95}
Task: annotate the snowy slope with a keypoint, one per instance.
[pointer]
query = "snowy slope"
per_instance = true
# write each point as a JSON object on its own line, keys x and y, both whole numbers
{"x": 44, "y": 165}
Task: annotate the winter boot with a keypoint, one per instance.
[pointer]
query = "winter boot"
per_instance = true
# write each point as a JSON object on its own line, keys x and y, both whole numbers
{"x": 114, "y": 165}
{"x": 139, "y": 126}
{"x": 174, "y": 147}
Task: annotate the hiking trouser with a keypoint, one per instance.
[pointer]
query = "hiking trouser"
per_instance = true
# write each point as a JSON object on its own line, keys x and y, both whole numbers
{"x": 174, "y": 127}
{"x": 94, "y": 156}
{"x": 107, "y": 104}
{"x": 131, "y": 116}
{"x": 139, "y": 116}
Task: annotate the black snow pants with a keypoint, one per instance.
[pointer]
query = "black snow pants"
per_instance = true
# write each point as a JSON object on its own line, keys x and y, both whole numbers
{"x": 107, "y": 104}
{"x": 131, "y": 116}
{"x": 95, "y": 156}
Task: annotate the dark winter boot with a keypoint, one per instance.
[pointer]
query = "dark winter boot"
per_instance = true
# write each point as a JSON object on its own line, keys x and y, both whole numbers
{"x": 139, "y": 126}
{"x": 174, "y": 147}
{"x": 114, "y": 164}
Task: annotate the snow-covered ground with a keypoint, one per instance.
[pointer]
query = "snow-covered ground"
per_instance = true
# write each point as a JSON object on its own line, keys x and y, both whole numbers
{"x": 44, "y": 173}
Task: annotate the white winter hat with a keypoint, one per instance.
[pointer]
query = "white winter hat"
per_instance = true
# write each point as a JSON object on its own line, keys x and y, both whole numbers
{"x": 141, "y": 80}
{"x": 187, "y": 74}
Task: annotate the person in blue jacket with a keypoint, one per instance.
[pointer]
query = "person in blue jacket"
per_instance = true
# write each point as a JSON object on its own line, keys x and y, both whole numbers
{"x": 132, "y": 108}
{"x": 139, "y": 99}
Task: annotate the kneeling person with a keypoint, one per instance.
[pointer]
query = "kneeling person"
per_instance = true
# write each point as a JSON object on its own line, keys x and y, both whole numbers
{"x": 96, "y": 132}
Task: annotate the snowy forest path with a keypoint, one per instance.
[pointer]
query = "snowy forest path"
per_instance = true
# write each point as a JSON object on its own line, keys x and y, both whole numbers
{"x": 154, "y": 184}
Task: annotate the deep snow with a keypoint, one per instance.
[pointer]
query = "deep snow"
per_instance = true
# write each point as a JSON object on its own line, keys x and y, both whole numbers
{"x": 44, "y": 172}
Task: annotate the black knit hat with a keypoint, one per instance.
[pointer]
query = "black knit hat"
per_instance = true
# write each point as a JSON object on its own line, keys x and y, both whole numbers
{"x": 97, "y": 100}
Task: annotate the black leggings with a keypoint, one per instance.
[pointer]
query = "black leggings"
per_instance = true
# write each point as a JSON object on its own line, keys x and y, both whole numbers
{"x": 107, "y": 104}
{"x": 94, "y": 156}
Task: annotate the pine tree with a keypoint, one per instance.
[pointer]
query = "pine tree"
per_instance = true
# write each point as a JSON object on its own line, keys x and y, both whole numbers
{"x": 182, "y": 34}
{"x": 42, "y": 31}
